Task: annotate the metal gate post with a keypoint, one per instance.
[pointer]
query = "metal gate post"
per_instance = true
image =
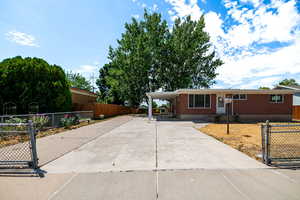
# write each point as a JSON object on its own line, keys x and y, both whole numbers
{"x": 33, "y": 145}
{"x": 53, "y": 121}
{"x": 263, "y": 135}
{"x": 268, "y": 134}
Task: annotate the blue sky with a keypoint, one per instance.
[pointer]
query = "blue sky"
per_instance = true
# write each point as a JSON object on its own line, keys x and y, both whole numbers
{"x": 259, "y": 41}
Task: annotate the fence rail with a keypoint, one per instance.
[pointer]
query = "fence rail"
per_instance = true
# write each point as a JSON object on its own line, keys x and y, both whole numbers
{"x": 18, "y": 146}
{"x": 280, "y": 144}
{"x": 107, "y": 110}
{"x": 46, "y": 120}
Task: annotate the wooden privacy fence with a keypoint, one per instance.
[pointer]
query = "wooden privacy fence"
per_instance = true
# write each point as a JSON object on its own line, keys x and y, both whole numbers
{"x": 296, "y": 112}
{"x": 107, "y": 110}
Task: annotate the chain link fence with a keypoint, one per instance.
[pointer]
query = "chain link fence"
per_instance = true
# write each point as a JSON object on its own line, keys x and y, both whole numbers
{"x": 18, "y": 137}
{"x": 281, "y": 144}
{"x": 48, "y": 120}
{"x": 18, "y": 146}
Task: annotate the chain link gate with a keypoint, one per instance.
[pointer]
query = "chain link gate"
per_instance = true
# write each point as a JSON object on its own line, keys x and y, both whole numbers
{"x": 18, "y": 148}
{"x": 281, "y": 144}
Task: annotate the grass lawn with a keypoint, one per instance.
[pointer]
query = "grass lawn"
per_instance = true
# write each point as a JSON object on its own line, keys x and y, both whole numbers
{"x": 243, "y": 137}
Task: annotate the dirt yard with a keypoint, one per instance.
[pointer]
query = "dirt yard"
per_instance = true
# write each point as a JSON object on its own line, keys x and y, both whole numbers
{"x": 243, "y": 137}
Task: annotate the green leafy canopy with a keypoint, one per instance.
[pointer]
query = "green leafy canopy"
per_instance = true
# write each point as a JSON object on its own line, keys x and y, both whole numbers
{"x": 79, "y": 81}
{"x": 150, "y": 56}
{"x": 27, "y": 80}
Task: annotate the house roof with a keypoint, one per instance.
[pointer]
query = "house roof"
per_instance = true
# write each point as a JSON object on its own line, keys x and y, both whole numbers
{"x": 82, "y": 92}
{"x": 171, "y": 95}
{"x": 291, "y": 87}
{"x": 163, "y": 95}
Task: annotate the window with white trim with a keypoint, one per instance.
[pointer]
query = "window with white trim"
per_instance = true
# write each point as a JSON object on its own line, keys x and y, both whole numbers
{"x": 239, "y": 96}
{"x": 276, "y": 98}
{"x": 199, "y": 101}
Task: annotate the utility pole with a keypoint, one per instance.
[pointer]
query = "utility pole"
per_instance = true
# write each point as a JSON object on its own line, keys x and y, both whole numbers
{"x": 92, "y": 80}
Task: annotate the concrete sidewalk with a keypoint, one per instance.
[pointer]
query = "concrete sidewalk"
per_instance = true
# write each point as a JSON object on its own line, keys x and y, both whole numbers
{"x": 153, "y": 160}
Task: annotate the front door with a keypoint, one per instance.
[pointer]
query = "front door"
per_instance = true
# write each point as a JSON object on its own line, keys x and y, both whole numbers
{"x": 220, "y": 104}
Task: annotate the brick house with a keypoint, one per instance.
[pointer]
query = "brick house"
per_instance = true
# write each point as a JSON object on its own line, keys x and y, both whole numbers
{"x": 296, "y": 96}
{"x": 247, "y": 104}
{"x": 82, "y": 97}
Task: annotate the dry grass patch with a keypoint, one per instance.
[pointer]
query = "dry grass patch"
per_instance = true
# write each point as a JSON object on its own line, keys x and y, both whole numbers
{"x": 243, "y": 137}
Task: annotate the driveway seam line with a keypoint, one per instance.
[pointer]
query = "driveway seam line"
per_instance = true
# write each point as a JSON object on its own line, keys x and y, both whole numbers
{"x": 285, "y": 176}
{"x": 62, "y": 187}
{"x": 234, "y": 186}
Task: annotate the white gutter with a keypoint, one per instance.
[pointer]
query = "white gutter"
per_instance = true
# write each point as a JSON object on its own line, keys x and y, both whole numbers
{"x": 235, "y": 91}
{"x": 287, "y": 87}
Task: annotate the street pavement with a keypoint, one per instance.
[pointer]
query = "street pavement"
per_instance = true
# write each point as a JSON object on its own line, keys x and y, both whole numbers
{"x": 139, "y": 159}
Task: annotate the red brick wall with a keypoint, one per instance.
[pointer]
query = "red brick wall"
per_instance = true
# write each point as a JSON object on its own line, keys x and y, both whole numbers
{"x": 260, "y": 104}
{"x": 255, "y": 104}
{"x": 182, "y": 106}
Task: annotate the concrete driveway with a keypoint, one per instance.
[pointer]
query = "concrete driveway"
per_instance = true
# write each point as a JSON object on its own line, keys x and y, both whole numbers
{"x": 155, "y": 160}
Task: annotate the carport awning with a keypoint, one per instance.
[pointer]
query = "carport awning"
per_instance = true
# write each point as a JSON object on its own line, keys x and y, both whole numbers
{"x": 162, "y": 95}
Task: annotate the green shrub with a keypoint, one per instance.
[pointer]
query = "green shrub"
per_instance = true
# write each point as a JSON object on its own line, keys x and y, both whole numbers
{"x": 27, "y": 80}
{"x": 40, "y": 121}
{"x": 69, "y": 120}
{"x": 217, "y": 118}
{"x": 236, "y": 118}
{"x": 15, "y": 120}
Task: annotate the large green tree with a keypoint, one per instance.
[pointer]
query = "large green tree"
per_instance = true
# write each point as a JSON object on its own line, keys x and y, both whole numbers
{"x": 264, "y": 88}
{"x": 288, "y": 82}
{"x": 108, "y": 83}
{"x": 79, "y": 81}
{"x": 150, "y": 56}
{"x": 192, "y": 63}
{"x": 24, "y": 81}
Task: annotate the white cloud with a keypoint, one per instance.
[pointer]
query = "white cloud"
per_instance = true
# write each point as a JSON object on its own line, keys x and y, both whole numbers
{"x": 90, "y": 72}
{"x": 247, "y": 46}
{"x": 261, "y": 24}
{"x": 183, "y": 8}
{"x": 263, "y": 82}
{"x": 135, "y": 16}
{"x": 154, "y": 7}
{"x": 96, "y": 63}
{"x": 86, "y": 69}
{"x": 246, "y": 65}
{"x": 277, "y": 63}
{"x": 21, "y": 38}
